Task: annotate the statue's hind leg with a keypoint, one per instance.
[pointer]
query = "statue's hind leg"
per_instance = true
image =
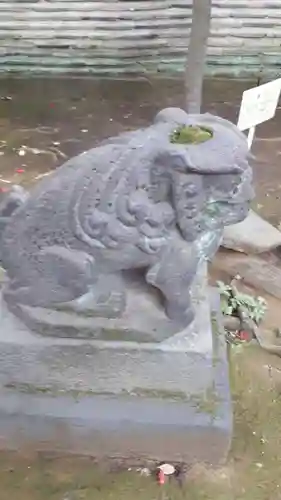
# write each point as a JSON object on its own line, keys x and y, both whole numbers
{"x": 63, "y": 279}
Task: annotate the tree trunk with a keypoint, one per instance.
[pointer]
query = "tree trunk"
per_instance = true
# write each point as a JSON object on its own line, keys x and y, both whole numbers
{"x": 194, "y": 75}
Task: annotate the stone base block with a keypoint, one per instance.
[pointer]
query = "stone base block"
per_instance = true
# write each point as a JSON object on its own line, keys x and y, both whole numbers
{"x": 166, "y": 400}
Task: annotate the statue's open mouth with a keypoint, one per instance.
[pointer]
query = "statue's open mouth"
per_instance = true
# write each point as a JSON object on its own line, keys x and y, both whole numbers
{"x": 230, "y": 212}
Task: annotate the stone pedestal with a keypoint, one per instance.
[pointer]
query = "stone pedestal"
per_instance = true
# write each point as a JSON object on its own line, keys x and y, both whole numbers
{"x": 164, "y": 400}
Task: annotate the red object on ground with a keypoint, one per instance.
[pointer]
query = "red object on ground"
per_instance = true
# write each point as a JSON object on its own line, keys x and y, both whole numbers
{"x": 3, "y": 190}
{"x": 20, "y": 170}
{"x": 244, "y": 335}
{"x": 161, "y": 477}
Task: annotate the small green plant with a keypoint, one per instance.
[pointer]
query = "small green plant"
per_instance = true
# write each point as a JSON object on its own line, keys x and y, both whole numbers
{"x": 254, "y": 306}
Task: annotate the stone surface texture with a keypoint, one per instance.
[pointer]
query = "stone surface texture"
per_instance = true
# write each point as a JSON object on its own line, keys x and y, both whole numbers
{"x": 116, "y": 233}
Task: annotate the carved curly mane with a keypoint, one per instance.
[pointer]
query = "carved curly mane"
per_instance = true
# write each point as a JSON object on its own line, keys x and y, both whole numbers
{"x": 98, "y": 201}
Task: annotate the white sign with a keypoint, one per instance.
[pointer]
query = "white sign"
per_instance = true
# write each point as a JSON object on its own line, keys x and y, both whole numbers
{"x": 259, "y": 104}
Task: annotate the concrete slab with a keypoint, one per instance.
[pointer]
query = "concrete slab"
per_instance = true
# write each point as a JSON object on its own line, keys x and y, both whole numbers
{"x": 252, "y": 235}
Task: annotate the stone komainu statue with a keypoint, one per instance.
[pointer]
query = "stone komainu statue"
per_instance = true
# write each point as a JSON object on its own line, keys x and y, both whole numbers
{"x": 153, "y": 202}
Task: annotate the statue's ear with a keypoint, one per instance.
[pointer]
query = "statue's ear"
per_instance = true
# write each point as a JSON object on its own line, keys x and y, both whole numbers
{"x": 171, "y": 115}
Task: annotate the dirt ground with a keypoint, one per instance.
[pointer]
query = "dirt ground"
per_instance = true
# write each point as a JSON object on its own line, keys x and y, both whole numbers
{"x": 42, "y": 123}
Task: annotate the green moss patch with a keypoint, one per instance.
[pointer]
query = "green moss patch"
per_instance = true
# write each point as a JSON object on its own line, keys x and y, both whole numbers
{"x": 191, "y": 134}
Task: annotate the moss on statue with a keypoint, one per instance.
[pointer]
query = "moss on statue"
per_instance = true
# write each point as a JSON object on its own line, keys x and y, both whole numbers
{"x": 190, "y": 135}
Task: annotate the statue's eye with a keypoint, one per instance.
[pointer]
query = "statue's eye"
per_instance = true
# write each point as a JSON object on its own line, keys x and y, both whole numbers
{"x": 190, "y": 189}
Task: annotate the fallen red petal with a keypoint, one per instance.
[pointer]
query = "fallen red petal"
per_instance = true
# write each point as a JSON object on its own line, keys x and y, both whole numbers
{"x": 20, "y": 170}
{"x": 161, "y": 477}
{"x": 243, "y": 335}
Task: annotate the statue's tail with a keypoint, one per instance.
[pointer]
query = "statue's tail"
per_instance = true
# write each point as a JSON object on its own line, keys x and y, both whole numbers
{"x": 10, "y": 201}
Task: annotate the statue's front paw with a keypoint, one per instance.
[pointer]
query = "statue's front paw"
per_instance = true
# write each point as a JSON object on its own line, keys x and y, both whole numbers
{"x": 181, "y": 314}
